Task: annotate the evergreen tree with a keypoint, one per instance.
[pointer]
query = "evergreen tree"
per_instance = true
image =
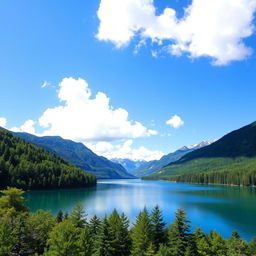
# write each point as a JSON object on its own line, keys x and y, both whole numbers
{"x": 85, "y": 242}
{"x": 158, "y": 228}
{"x": 103, "y": 245}
{"x": 237, "y": 246}
{"x": 218, "y": 245}
{"x": 7, "y": 237}
{"x": 252, "y": 247}
{"x": 151, "y": 250}
{"x": 141, "y": 234}
{"x": 163, "y": 251}
{"x": 39, "y": 224}
{"x": 22, "y": 246}
{"x": 59, "y": 216}
{"x": 78, "y": 216}
{"x": 179, "y": 234}
{"x": 119, "y": 228}
{"x": 201, "y": 242}
{"x": 12, "y": 202}
{"x": 63, "y": 240}
{"x": 94, "y": 225}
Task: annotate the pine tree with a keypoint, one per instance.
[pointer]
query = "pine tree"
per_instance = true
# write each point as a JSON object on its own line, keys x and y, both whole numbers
{"x": 218, "y": 245}
{"x": 59, "y": 216}
{"x": 78, "y": 216}
{"x": 179, "y": 234}
{"x": 141, "y": 234}
{"x": 163, "y": 251}
{"x": 103, "y": 245}
{"x": 94, "y": 225}
{"x": 237, "y": 246}
{"x": 85, "y": 242}
{"x": 151, "y": 250}
{"x": 119, "y": 228}
{"x": 158, "y": 228}
{"x": 252, "y": 247}
{"x": 63, "y": 240}
{"x": 201, "y": 242}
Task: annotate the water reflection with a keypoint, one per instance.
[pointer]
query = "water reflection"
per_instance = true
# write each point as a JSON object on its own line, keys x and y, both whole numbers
{"x": 211, "y": 207}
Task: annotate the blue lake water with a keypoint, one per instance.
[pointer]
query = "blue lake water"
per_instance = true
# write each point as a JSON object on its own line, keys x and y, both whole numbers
{"x": 222, "y": 208}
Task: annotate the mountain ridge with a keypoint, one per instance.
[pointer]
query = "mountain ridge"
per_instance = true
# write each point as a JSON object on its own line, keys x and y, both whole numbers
{"x": 79, "y": 155}
{"x": 230, "y": 160}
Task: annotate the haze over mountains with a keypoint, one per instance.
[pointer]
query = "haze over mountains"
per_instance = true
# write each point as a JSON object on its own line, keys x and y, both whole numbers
{"x": 130, "y": 165}
{"x": 155, "y": 165}
{"x": 79, "y": 155}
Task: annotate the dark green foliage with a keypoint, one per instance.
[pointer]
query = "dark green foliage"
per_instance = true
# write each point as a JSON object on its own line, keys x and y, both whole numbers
{"x": 141, "y": 234}
{"x": 79, "y": 155}
{"x": 104, "y": 244}
{"x": 85, "y": 242}
{"x": 94, "y": 226}
{"x": 158, "y": 228}
{"x": 39, "y": 225}
{"x": 59, "y": 217}
{"x": 25, "y": 166}
{"x": 230, "y": 160}
{"x": 179, "y": 234}
{"x": 121, "y": 239}
{"x": 64, "y": 240}
{"x": 23, "y": 233}
{"x": 78, "y": 216}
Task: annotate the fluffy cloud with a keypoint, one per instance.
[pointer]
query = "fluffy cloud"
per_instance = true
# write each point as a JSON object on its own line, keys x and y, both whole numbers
{"x": 209, "y": 28}
{"x": 124, "y": 150}
{"x": 28, "y": 127}
{"x": 82, "y": 117}
{"x": 3, "y": 122}
{"x": 175, "y": 122}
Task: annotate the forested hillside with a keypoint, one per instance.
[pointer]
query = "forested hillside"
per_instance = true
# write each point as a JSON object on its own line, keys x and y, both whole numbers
{"x": 230, "y": 160}
{"x": 26, "y": 166}
{"x": 25, "y": 233}
{"x": 79, "y": 155}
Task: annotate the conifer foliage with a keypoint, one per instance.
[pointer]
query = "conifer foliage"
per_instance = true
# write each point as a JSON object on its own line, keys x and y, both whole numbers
{"x": 25, "y": 233}
{"x": 26, "y": 166}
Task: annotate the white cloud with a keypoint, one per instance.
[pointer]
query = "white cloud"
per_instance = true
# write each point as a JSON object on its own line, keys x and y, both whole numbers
{"x": 125, "y": 150}
{"x": 209, "y": 28}
{"x": 175, "y": 121}
{"x": 28, "y": 127}
{"x": 45, "y": 84}
{"x": 82, "y": 117}
{"x": 3, "y": 122}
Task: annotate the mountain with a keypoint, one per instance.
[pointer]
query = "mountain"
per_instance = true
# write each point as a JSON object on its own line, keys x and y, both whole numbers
{"x": 79, "y": 155}
{"x": 230, "y": 160}
{"x": 26, "y": 166}
{"x": 130, "y": 165}
{"x": 155, "y": 165}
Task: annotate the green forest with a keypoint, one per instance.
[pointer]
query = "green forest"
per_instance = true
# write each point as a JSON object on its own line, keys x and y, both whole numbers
{"x": 231, "y": 160}
{"x": 26, "y": 166}
{"x": 25, "y": 233}
{"x": 238, "y": 171}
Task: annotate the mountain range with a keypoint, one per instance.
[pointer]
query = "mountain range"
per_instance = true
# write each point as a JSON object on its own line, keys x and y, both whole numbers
{"x": 29, "y": 167}
{"x": 130, "y": 165}
{"x": 230, "y": 160}
{"x": 79, "y": 155}
{"x": 153, "y": 166}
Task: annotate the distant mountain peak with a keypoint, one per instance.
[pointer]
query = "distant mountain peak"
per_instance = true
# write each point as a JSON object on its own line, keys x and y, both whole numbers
{"x": 196, "y": 146}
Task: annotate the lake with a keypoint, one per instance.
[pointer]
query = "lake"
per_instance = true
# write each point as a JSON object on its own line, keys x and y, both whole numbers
{"x": 223, "y": 208}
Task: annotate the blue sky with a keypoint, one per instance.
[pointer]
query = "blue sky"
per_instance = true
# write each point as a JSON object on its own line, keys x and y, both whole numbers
{"x": 52, "y": 40}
